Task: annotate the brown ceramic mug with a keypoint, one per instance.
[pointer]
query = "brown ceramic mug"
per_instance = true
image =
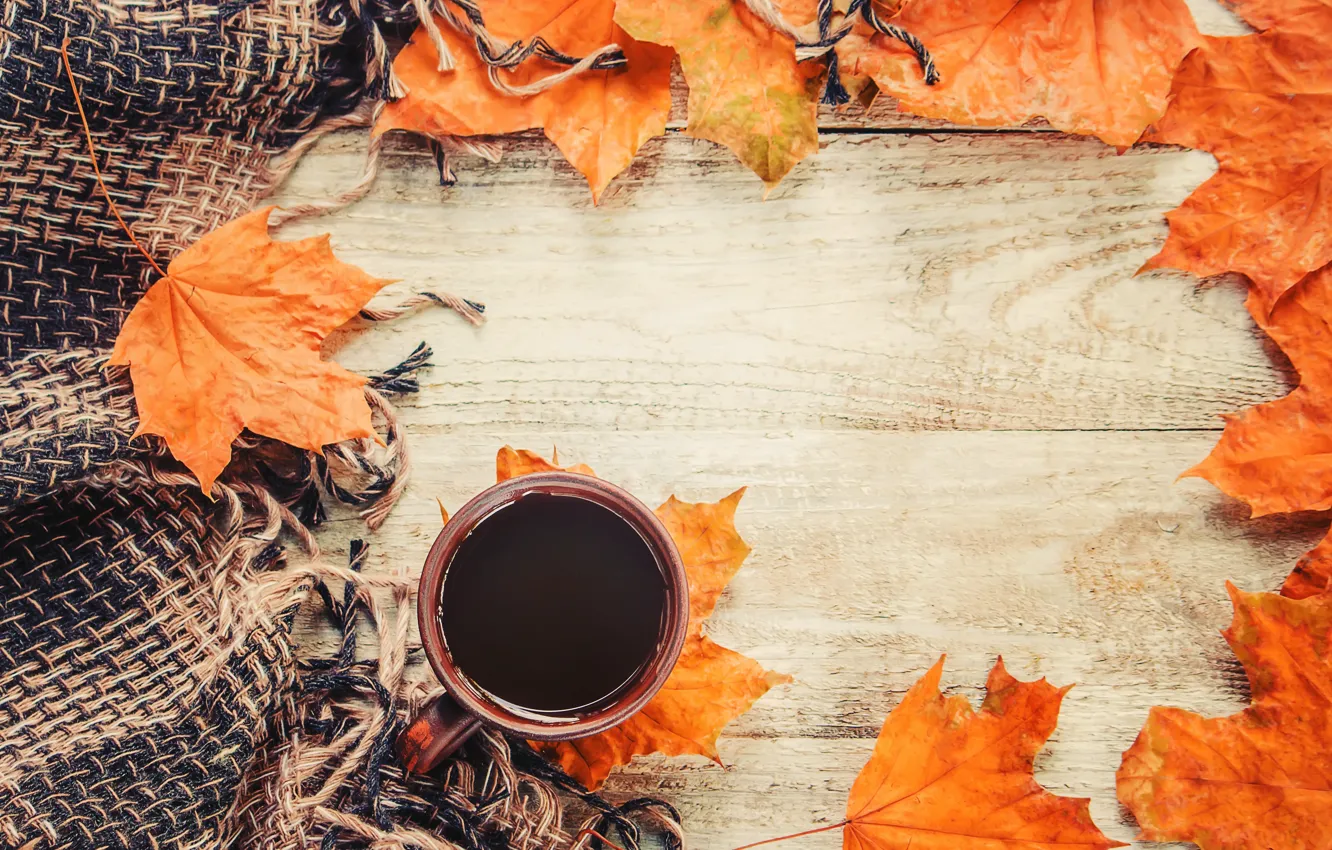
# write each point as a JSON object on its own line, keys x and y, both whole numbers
{"x": 443, "y": 726}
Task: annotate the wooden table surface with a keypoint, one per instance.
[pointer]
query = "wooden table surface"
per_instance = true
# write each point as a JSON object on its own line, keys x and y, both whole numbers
{"x": 959, "y": 414}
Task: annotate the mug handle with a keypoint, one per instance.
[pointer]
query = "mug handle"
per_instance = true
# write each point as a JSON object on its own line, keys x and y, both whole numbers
{"x": 435, "y": 734}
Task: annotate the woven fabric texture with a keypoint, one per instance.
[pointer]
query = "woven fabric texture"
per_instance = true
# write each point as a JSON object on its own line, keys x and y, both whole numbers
{"x": 136, "y": 667}
{"x": 141, "y": 660}
{"x": 187, "y": 101}
{"x": 61, "y": 414}
{"x": 150, "y": 693}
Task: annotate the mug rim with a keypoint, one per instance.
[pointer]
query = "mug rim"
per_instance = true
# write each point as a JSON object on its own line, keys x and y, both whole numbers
{"x": 629, "y": 510}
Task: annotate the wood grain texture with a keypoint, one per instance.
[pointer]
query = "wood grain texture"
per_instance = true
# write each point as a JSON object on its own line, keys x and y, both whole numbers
{"x": 959, "y": 413}
{"x": 1075, "y": 556}
{"x": 892, "y": 282}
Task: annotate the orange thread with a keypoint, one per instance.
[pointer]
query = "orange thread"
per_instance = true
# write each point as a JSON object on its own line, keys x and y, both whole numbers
{"x": 830, "y": 826}
{"x": 578, "y": 839}
{"x": 92, "y": 155}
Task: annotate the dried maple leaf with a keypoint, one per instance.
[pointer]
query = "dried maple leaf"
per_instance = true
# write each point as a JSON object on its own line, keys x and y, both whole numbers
{"x": 1277, "y": 457}
{"x": 1312, "y": 574}
{"x": 746, "y": 90}
{"x": 943, "y": 776}
{"x": 1262, "y": 105}
{"x": 1100, "y": 69}
{"x": 1260, "y": 778}
{"x": 710, "y": 685}
{"x": 597, "y": 119}
{"x": 1281, "y": 14}
{"x": 511, "y": 462}
{"x": 229, "y": 339}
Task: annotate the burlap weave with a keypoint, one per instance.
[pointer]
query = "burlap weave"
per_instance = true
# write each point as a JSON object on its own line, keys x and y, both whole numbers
{"x": 137, "y": 668}
{"x": 187, "y": 102}
{"x": 150, "y": 693}
{"x": 138, "y": 662}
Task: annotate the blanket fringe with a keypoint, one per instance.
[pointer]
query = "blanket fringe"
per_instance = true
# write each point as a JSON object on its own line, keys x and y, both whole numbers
{"x": 334, "y": 779}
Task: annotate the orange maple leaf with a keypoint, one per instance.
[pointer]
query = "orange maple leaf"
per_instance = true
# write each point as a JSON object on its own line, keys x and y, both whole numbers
{"x": 1099, "y": 69}
{"x": 1277, "y": 457}
{"x": 1260, "y": 778}
{"x": 1312, "y": 574}
{"x": 229, "y": 339}
{"x": 1262, "y": 105}
{"x": 943, "y": 776}
{"x": 511, "y": 462}
{"x": 746, "y": 90}
{"x": 1281, "y": 14}
{"x": 598, "y": 119}
{"x": 710, "y": 685}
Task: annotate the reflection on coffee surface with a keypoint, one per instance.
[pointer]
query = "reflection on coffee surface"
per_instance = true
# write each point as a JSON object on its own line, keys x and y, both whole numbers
{"x": 552, "y": 604}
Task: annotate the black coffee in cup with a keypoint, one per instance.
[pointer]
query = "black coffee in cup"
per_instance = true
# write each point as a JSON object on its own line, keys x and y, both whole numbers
{"x": 553, "y": 605}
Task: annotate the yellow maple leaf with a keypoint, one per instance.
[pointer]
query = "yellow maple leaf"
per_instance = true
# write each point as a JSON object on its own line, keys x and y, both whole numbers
{"x": 746, "y": 90}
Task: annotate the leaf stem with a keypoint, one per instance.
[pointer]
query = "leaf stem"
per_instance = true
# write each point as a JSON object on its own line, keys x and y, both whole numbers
{"x": 92, "y": 156}
{"x": 830, "y": 826}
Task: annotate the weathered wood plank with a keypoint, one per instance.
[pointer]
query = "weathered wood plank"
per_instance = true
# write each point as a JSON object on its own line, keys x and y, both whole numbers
{"x": 837, "y": 348}
{"x": 890, "y": 282}
{"x": 1076, "y": 556}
